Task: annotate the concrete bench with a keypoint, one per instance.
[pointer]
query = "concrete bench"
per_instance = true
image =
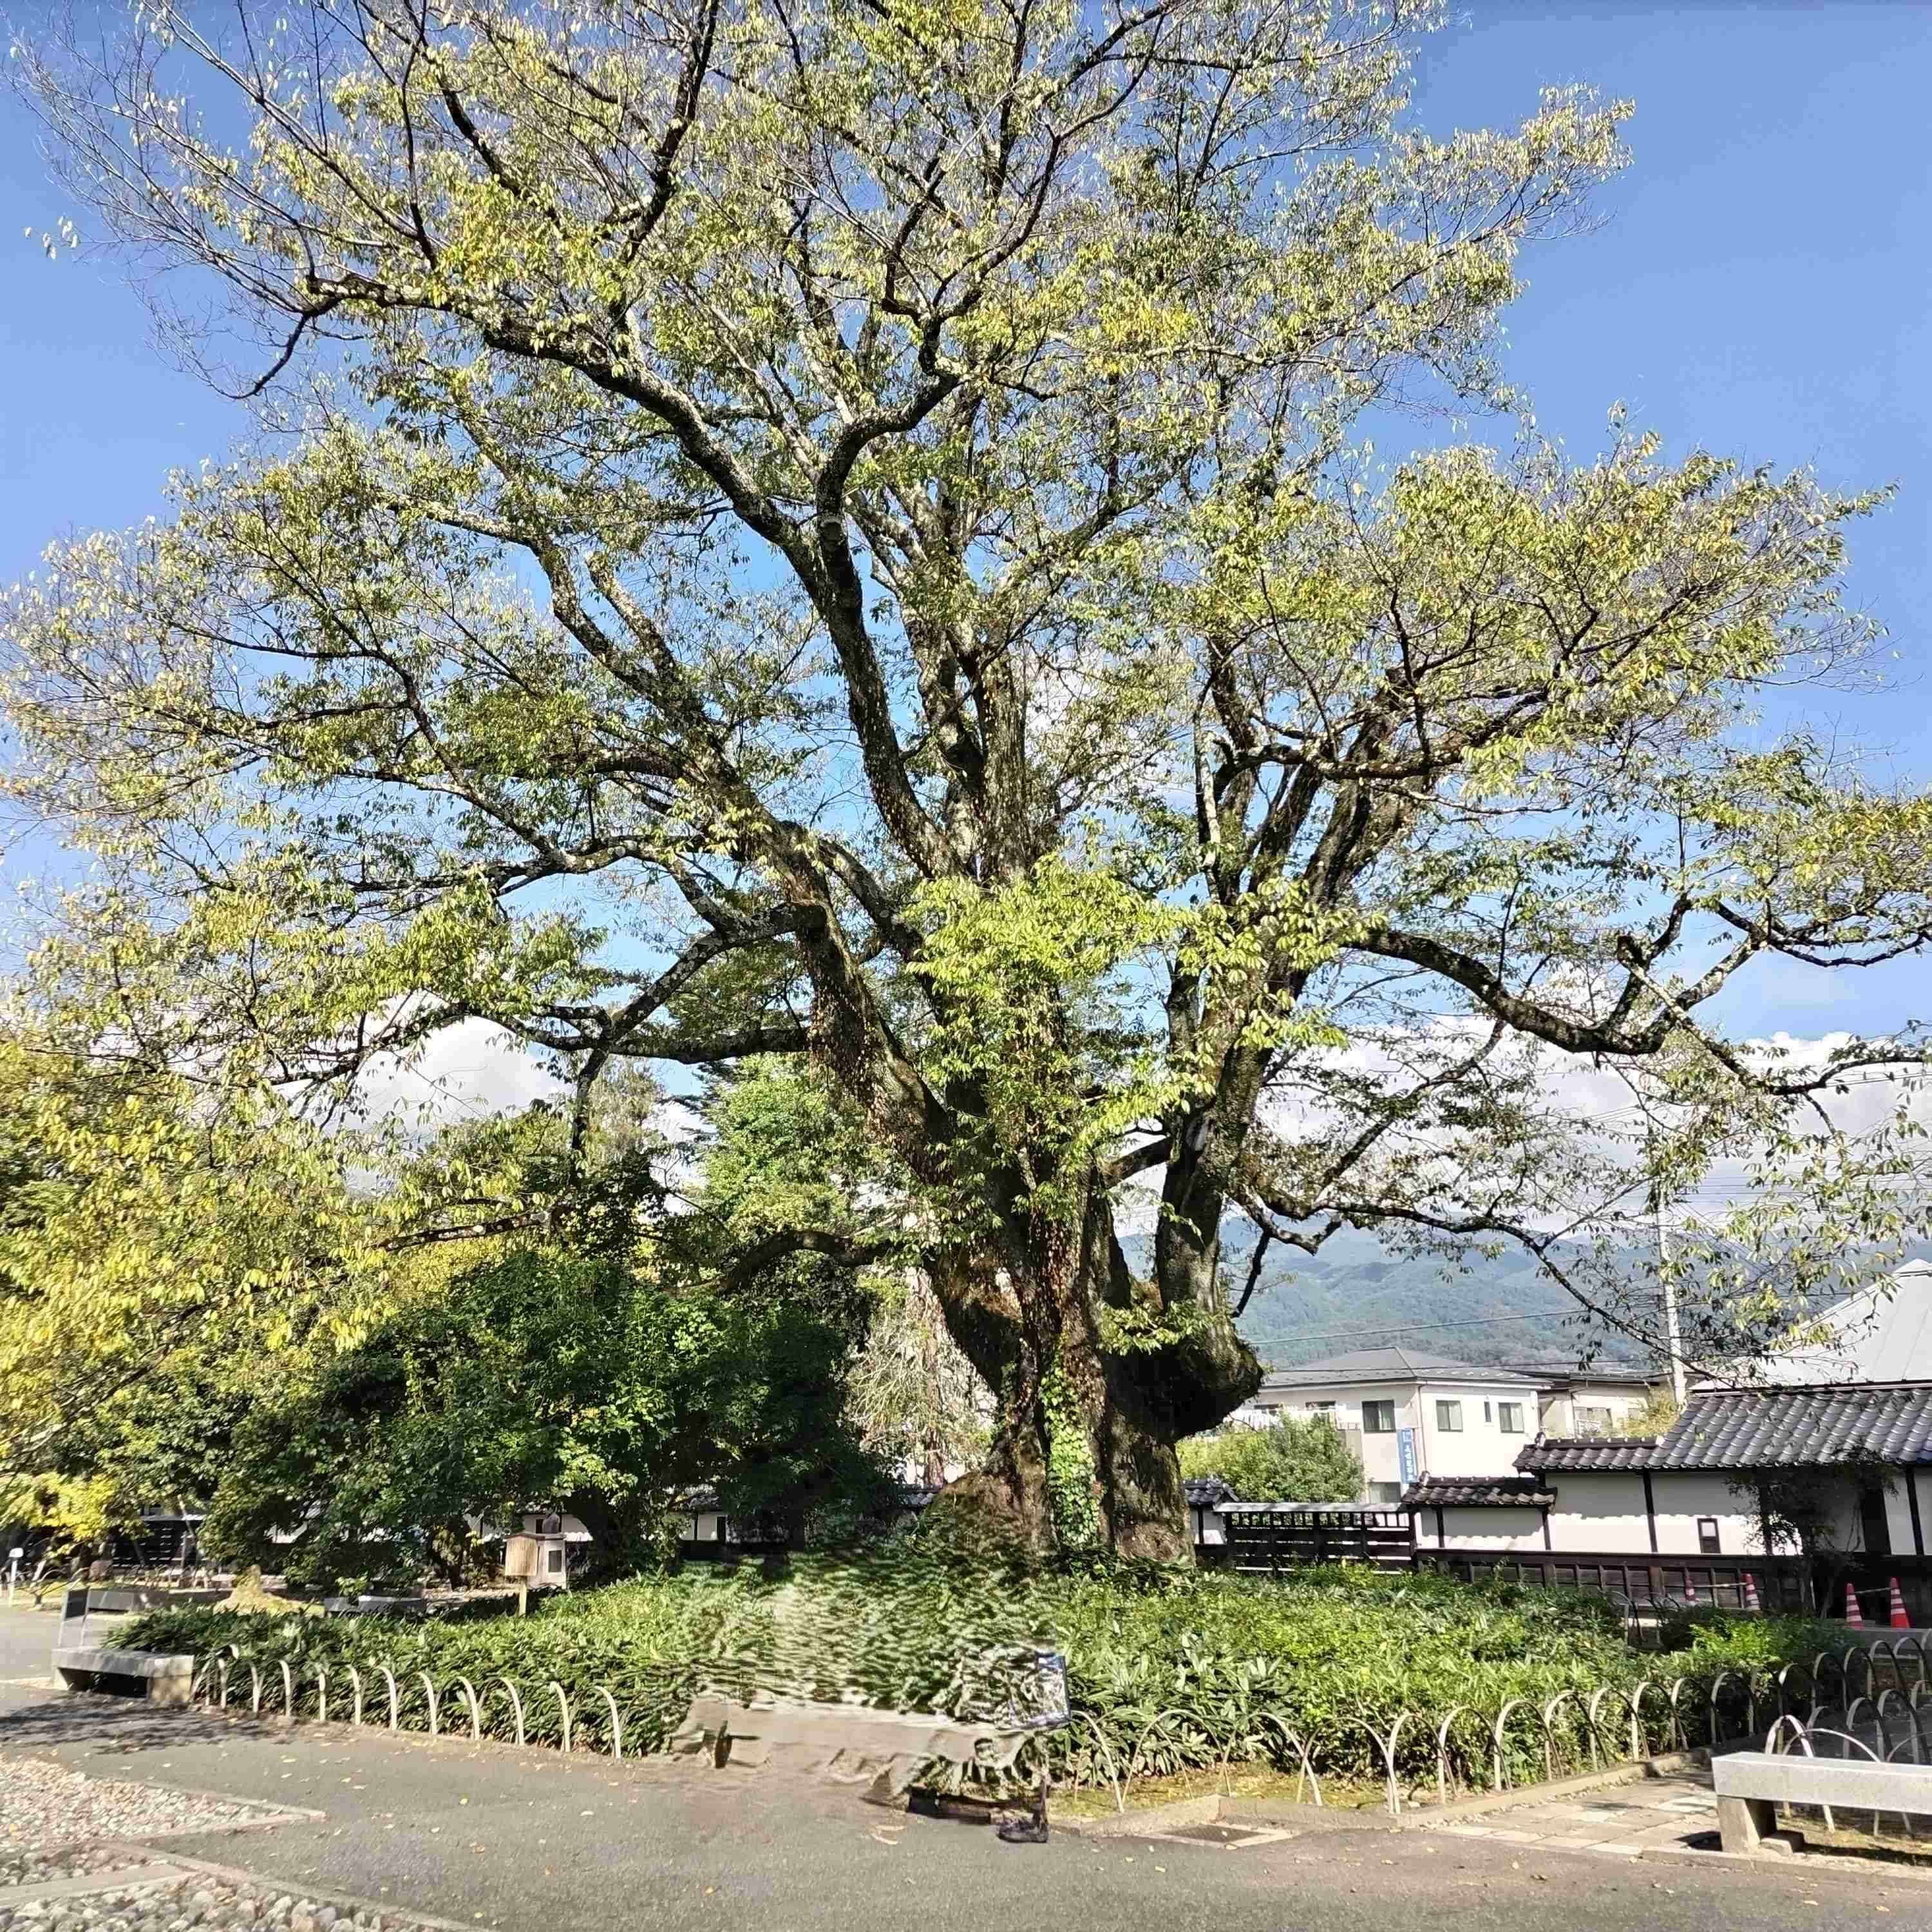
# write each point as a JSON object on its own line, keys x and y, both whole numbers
{"x": 892, "y": 1745}
{"x": 1751, "y": 1784}
{"x": 132, "y": 1596}
{"x": 163, "y": 1680}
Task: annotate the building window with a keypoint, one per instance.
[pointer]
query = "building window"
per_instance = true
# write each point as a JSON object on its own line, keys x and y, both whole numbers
{"x": 1593, "y": 1421}
{"x": 557, "y": 1562}
{"x": 1378, "y": 1418}
{"x": 1322, "y": 1409}
{"x": 1449, "y": 1418}
{"x": 1707, "y": 1536}
{"x": 1487, "y": 1416}
{"x": 1509, "y": 1416}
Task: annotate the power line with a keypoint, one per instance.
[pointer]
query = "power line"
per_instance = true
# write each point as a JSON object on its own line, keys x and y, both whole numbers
{"x": 1411, "y": 1328}
{"x": 1479, "y": 1321}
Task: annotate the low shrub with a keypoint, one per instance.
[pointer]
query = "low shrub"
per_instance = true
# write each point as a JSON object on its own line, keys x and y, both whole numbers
{"x": 1172, "y": 1670}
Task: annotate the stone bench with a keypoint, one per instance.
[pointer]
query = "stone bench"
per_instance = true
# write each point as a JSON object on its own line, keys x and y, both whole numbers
{"x": 163, "y": 1680}
{"x": 1751, "y": 1784}
{"x": 889, "y": 1747}
{"x": 127, "y": 1598}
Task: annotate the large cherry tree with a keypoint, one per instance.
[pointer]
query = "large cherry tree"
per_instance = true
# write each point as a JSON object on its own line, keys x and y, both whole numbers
{"x": 845, "y": 529}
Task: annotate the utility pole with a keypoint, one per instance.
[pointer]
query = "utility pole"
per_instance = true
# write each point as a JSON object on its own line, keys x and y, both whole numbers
{"x": 1672, "y": 1338}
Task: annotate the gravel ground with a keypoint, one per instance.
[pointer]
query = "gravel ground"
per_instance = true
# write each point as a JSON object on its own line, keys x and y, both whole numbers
{"x": 74, "y": 1861}
{"x": 43, "y": 1805}
{"x": 208, "y": 1904}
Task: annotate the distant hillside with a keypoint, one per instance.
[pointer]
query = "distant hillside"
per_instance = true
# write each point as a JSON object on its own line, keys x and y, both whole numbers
{"x": 1354, "y": 1294}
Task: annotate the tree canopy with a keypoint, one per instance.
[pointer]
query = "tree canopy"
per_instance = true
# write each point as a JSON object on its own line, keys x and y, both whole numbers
{"x": 152, "y": 1234}
{"x": 540, "y": 1380}
{"x": 1293, "y": 1458}
{"x": 847, "y": 529}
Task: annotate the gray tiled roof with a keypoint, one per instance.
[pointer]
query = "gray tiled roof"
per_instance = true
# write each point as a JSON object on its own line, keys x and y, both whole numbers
{"x": 1392, "y": 1365}
{"x": 1761, "y": 1429}
{"x": 1588, "y": 1454}
{"x": 1557, "y": 1376}
{"x": 1205, "y": 1491}
{"x": 1801, "y": 1428}
{"x": 1458, "y": 1492}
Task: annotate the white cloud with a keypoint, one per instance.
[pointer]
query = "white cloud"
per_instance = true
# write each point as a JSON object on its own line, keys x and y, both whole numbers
{"x": 1598, "y": 1107}
{"x": 470, "y": 1069}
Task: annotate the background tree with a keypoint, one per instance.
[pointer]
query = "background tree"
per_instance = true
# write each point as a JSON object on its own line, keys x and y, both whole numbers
{"x": 1294, "y": 1459}
{"x": 154, "y": 1238}
{"x": 542, "y": 1380}
{"x": 918, "y": 1399}
{"x": 831, "y": 530}
{"x": 1656, "y": 1415}
{"x": 1813, "y": 1512}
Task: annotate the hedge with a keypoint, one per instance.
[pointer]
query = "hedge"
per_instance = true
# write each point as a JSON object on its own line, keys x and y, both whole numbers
{"x": 1165, "y": 1672}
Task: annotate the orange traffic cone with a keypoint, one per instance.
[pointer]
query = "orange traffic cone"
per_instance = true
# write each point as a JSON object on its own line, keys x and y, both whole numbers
{"x": 1900, "y": 1620}
{"x": 1852, "y": 1614}
{"x": 1751, "y": 1603}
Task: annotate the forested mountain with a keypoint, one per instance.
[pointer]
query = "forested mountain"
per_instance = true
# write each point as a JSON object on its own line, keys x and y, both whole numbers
{"x": 1355, "y": 1293}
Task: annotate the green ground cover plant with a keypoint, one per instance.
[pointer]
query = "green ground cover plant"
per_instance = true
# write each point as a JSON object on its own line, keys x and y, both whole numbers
{"x": 1165, "y": 1672}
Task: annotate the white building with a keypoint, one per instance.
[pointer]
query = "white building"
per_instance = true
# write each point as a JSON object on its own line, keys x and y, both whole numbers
{"x": 1691, "y": 1493}
{"x": 1417, "y": 1413}
{"x": 1597, "y": 1401}
{"x": 1882, "y": 1334}
{"x": 1846, "y": 1420}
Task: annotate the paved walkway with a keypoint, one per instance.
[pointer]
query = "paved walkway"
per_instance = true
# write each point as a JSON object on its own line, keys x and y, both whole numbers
{"x": 26, "y": 1641}
{"x": 1663, "y": 1814}
{"x": 489, "y": 1836}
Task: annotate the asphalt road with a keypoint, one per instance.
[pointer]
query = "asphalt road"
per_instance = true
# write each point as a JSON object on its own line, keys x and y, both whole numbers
{"x": 500, "y": 1838}
{"x": 26, "y": 1638}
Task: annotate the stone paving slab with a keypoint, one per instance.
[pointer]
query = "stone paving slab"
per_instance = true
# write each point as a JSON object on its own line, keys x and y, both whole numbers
{"x": 1658, "y": 1813}
{"x": 171, "y": 1897}
{"x": 1671, "y": 1819}
{"x": 129, "y": 1873}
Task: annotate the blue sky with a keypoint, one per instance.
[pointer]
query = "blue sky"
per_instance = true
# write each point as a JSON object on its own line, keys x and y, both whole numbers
{"x": 1760, "y": 286}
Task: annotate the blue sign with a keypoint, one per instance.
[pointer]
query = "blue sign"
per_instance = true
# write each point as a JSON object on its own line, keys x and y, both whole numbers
{"x": 1405, "y": 1449}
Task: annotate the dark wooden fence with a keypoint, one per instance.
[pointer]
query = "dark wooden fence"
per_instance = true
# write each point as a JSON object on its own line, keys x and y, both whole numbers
{"x": 1267, "y": 1541}
{"x": 1264, "y": 1541}
{"x": 1815, "y": 1585}
{"x": 156, "y": 1542}
{"x": 1781, "y": 1582}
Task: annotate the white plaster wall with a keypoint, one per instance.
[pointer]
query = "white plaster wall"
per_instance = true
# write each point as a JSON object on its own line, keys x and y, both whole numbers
{"x": 1473, "y": 1528}
{"x": 1606, "y": 1512}
{"x": 1683, "y": 1496}
{"x": 1598, "y": 1511}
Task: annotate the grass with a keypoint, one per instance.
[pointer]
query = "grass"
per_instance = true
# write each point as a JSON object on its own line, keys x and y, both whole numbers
{"x": 1238, "y": 1780}
{"x": 1167, "y": 1673}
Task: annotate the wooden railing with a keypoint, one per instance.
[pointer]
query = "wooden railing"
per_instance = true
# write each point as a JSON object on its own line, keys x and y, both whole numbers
{"x": 1265, "y": 1540}
{"x": 1268, "y": 1539}
{"x": 1814, "y": 1584}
